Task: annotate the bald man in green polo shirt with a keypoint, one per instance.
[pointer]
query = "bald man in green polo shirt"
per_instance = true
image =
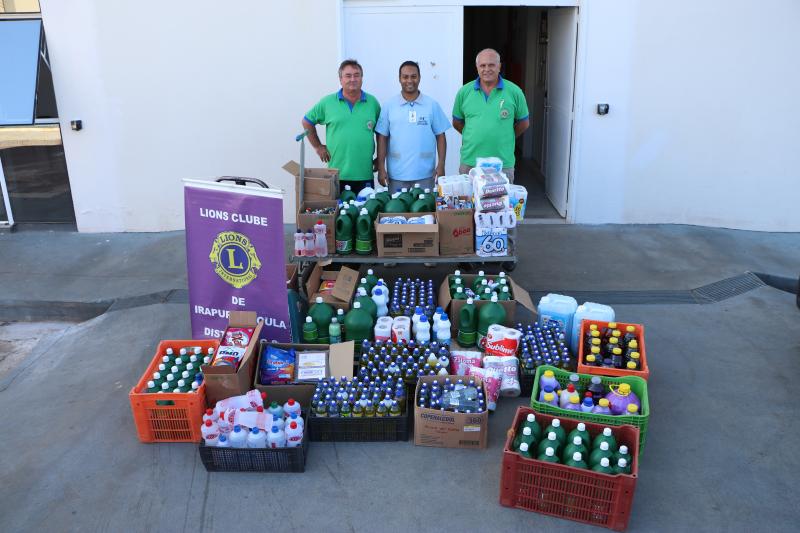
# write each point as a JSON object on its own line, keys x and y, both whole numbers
{"x": 349, "y": 117}
{"x": 489, "y": 113}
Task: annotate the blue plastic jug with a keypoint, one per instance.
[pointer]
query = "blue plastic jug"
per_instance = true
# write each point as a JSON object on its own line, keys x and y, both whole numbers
{"x": 557, "y": 310}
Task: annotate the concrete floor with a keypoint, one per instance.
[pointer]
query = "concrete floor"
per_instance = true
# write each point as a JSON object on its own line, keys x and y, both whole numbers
{"x": 721, "y": 453}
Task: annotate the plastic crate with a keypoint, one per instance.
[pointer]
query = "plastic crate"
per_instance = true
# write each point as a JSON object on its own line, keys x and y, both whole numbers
{"x": 217, "y": 459}
{"x": 564, "y": 491}
{"x": 350, "y": 429}
{"x": 638, "y": 386}
{"x": 526, "y": 380}
{"x": 643, "y": 373}
{"x": 169, "y": 416}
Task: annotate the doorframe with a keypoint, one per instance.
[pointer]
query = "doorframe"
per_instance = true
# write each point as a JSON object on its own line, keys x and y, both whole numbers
{"x": 580, "y": 61}
{"x": 6, "y": 200}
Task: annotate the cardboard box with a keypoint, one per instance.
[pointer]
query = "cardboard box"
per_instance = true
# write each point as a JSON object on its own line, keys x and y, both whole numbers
{"x": 346, "y": 281}
{"x": 446, "y": 429}
{"x": 320, "y": 184}
{"x": 456, "y": 231}
{"x": 340, "y": 363}
{"x": 453, "y": 307}
{"x": 407, "y": 240}
{"x": 306, "y": 221}
{"x": 223, "y": 381}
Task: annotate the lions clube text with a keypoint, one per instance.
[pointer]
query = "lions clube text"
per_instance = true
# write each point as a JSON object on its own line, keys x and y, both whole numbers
{"x": 218, "y": 214}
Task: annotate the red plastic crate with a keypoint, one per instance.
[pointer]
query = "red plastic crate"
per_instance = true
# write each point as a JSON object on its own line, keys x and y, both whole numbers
{"x": 583, "y": 368}
{"x": 169, "y": 416}
{"x": 564, "y": 491}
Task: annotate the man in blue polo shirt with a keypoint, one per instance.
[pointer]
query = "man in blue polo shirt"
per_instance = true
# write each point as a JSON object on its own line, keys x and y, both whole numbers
{"x": 489, "y": 113}
{"x": 411, "y": 136}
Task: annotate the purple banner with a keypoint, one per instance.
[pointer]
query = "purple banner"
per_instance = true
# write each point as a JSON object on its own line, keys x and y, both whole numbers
{"x": 234, "y": 257}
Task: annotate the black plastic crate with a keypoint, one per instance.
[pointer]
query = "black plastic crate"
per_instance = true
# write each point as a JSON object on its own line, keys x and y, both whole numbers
{"x": 526, "y": 381}
{"x": 217, "y": 459}
{"x": 351, "y": 429}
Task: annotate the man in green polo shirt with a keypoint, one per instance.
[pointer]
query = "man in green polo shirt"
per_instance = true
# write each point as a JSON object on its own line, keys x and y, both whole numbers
{"x": 349, "y": 117}
{"x": 489, "y": 113}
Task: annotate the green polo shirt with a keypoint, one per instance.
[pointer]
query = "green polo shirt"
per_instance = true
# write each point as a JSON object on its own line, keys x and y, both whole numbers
{"x": 489, "y": 120}
{"x": 348, "y": 132}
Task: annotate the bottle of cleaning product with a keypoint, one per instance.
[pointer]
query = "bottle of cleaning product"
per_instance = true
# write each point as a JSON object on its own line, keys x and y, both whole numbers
{"x": 358, "y": 323}
{"x": 555, "y": 427}
{"x": 526, "y": 435}
{"x": 490, "y": 313}
{"x": 443, "y": 335}
{"x": 352, "y": 211}
{"x": 557, "y": 309}
{"x": 321, "y": 313}
{"x": 294, "y": 435}
{"x": 299, "y": 244}
{"x": 606, "y": 436}
{"x": 420, "y": 205}
{"x": 372, "y": 281}
{"x": 335, "y": 331}
{"x": 383, "y": 197}
{"x": 547, "y": 389}
{"x": 365, "y": 233}
{"x": 574, "y": 403}
{"x": 406, "y": 197}
{"x": 344, "y": 233}
{"x": 367, "y": 304}
{"x": 310, "y": 331}
{"x": 530, "y": 422}
{"x": 347, "y": 195}
{"x": 257, "y": 439}
{"x": 373, "y": 206}
{"x": 395, "y": 205}
{"x": 459, "y": 293}
{"x": 415, "y": 191}
{"x": 431, "y": 199}
{"x": 550, "y": 398}
{"x": 604, "y": 467}
{"x": 623, "y": 453}
{"x": 423, "y": 330}
{"x": 383, "y": 329}
{"x": 524, "y": 450}
{"x": 320, "y": 240}
{"x": 222, "y": 442}
{"x": 504, "y": 295}
{"x": 588, "y": 311}
{"x": 380, "y": 302}
{"x": 619, "y": 398}
{"x": 580, "y": 431}
{"x": 602, "y": 407}
{"x": 238, "y": 437}
{"x": 596, "y": 388}
{"x": 549, "y": 456}
{"x": 276, "y": 438}
{"x": 565, "y": 394}
{"x": 275, "y": 409}
{"x": 602, "y": 451}
{"x": 550, "y": 441}
{"x": 467, "y": 324}
{"x": 295, "y": 417}
{"x": 576, "y": 445}
{"x": 210, "y": 433}
{"x": 291, "y": 406}
{"x": 577, "y": 461}
{"x": 308, "y": 244}
{"x": 549, "y": 378}
{"x": 622, "y": 467}
{"x": 476, "y": 283}
{"x": 379, "y": 284}
{"x": 587, "y": 406}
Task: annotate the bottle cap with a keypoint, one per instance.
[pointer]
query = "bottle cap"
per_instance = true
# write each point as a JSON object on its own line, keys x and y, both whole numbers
{"x": 633, "y": 408}
{"x": 293, "y": 425}
{"x": 556, "y": 423}
{"x": 526, "y": 431}
{"x": 592, "y": 327}
{"x": 254, "y": 431}
{"x": 622, "y": 462}
{"x": 549, "y": 452}
{"x": 623, "y": 450}
{"x": 574, "y": 399}
{"x": 577, "y": 456}
{"x": 291, "y": 401}
{"x": 469, "y": 301}
{"x": 481, "y": 273}
{"x": 356, "y": 305}
{"x": 595, "y": 343}
{"x": 635, "y": 355}
{"x": 633, "y": 344}
{"x": 523, "y": 447}
{"x": 319, "y": 299}
{"x": 459, "y": 289}
{"x": 617, "y": 351}
{"x": 548, "y": 397}
{"x": 208, "y": 423}
{"x": 624, "y": 389}
{"x": 551, "y": 435}
{"x": 378, "y": 292}
{"x": 494, "y": 296}
{"x": 531, "y": 418}
{"x": 604, "y": 462}
{"x": 596, "y": 380}
{"x": 364, "y": 211}
{"x": 151, "y": 384}
{"x": 603, "y": 402}
{"x": 604, "y": 446}
{"x": 631, "y": 365}
{"x": 577, "y": 441}
{"x": 613, "y": 340}
{"x": 607, "y": 432}
{"x": 309, "y": 320}
{"x": 589, "y": 358}
{"x": 548, "y": 373}
{"x": 581, "y": 426}
{"x": 612, "y": 325}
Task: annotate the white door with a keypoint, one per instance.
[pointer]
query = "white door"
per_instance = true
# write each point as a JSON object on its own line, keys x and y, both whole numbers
{"x": 562, "y": 30}
{"x": 382, "y": 37}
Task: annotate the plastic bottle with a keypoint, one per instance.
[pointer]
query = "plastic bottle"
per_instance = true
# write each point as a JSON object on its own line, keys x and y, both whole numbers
{"x": 291, "y": 406}
{"x": 367, "y": 304}
{"x": 550, "y": 441}
{"x": 238, "y": 437}
{"x": 478, "y": 281}
{"x": 383, "y": 328}
{"x": 565, "y": 394}
{"x": 222, "y": 442}
{"x": 299, "y": 244}
{"x": 443, "y": 335}
{"x": 604, "y": 467}
{"x": 602, "y": 451}
{"x": 208, "y": 415}
{"x": 406, "y": 197}
{"x": 395, "y": 205}
{"x": 606, "y": 436}
{"x": 294, "y": 435}
{"x": 423, "y": 330}
{"x": 347, "y": 195}
{"x": 380, "y": 302}
{"x": 276, "y": 438}
{"x": 459, "y": 294}
{"x": 576, "y": 461}
{"x": 320, "y": 240}
{"x": 588, "y": 311}
{"x": 383, "y": 197}
{"x": 619, "y": 398}
{"x": 452, "y": 281}
{"x": 530, "y": 422}
{"x": 622, "y": 467}
{"x": 310, "y": 331}
{"x": 379, "y": 284}
{"x": 547, "y": 389}
{"x": 357, "y": 324}
{"x": 335, "y": 331}
{"x": 321, "y": 313}
{"x": 576, "y": 445}
{"x": 431, "y": 199}
{"x": 365, "y": 233}
{"x": 526, "y": 436}
{"x": 415, "y": 191}
{"x": 550, "y": 398}
{"x": 555, "y": 427}
{"x": 580, "y": 431}
{"x": 574, "y": 403}
{"x": 344, "y": 233}
{"x": 504, "y": 295}
{"x": 557, "y": 309}
{"x": 295, "y": 417}
{"x": 602, "y": 407}
{"x": 524, "y": 450}
{"x": 549, "y": 455}
{"x": 623, "y": 453}
{"x": 257, "y": 439}
{"x": 373, "y": 206}
{"x": 549, "y": 378}
{"x": 420, "y": 205}
{"x": 587, "y": 406}
{"x": 467, "y": 324}
{"x": 490, "y": 313}
{"x": 596, "y": 388}
{"x": 632, "y": 409}
{"x": 210, "y": 432}
{"x": 372, "y": 281}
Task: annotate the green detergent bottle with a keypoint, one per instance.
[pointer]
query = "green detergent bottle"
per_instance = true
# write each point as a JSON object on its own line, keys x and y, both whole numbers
{"x": 357, "y": 324}
{"x": 622, "y": 466}
{"x": 606, "y": 436}
{"x": 344, "y": 233}
{"x": 576, "y": 445}
{"x": 530, "y": 422}
{"x": 555, "y": 427}
{"x": 373, "y": 206}
{"x": 367, "y": 304}
{"x": 352, "y": 210}
{"x": 365, "y": 233}
{"x": 406, "y": 197}
{"x": 321, "y": 313}
{"x": 459, "y": 294}
{"x": 420, "y": 205}
{"x": 580, "y": 431}
{"x": 490, "y": 313}
{"x": 310, "y": 331}
{"x": 431, "y": 199}
{"x": 451, "y": 280}
{"x": 604, "y": 467}
{"x": 476, "y": 283}
{"x": 576, "y": 461}
{"x": 383, "y": 197}
{"x": 601, "y": 452}
{"x": 550, "y": 440}
{"x": 347, "y": 194}
{"x": 415, "y": 191}
{"x": 467, "y": 324}
{"x": 504, "y": 295}
{"x": 395, "y": 205}
{"x": 549, "y": 455}
{"x": 372, "y": 280}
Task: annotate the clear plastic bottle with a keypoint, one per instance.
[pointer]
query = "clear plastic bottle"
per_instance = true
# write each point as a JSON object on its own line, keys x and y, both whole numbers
{"x": 320, "y": 240}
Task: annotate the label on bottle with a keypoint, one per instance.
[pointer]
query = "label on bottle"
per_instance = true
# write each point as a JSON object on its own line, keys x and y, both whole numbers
{"x": 344, "y": 246}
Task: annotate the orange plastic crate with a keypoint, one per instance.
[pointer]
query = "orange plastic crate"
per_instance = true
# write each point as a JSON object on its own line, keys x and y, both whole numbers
{"x": 564, "y": 491}
{"x": 583, "y": 368}
{"x": 180, "y": 420}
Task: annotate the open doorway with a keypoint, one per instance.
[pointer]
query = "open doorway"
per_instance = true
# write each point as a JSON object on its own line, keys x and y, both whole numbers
{"x": 543, "y": 65}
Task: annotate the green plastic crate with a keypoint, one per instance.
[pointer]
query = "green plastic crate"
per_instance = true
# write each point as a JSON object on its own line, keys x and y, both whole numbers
{"x": 638, "y": 386}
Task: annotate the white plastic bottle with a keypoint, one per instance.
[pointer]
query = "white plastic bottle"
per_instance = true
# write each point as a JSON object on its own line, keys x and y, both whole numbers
{"x": 291, "y": 406}
{"x": 423, "y": 330}
{"x": 238, "y": 437}
{"x": 383, "y": 328}
{"x": 276, "y": 438}
{"x": 590, "y": 311}
{"x": 295, "y": 417}
{"x": 443, "y": 333}
{"x": 380, "y": 302}
{"x": 383, "y": 288}
{"x": 308, "y": 244}
{"x": 257, "y": 439}
{"x": 279, "y": 422}
{"x": 222, "y": 442}
{"x": 299, "y": 244}
{"x": 294, "y": 435}
{"x": 210, "y": 433}
{"x": 320, "y": 241}
{"x": 208, "y": 415}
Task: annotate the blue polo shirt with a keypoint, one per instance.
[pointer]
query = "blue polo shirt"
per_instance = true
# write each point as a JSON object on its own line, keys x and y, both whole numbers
{"x": 412, "y": 128}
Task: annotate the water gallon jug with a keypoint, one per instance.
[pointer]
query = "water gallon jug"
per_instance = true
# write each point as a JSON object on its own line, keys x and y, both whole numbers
{"x": 358, "y": 324}
{"x": 344, "y": 233}
{"x": 489, "y": 313}
{"x": 467, "y": 324}
{"x": 321, "y": 313}
{"x": 383, "y": 329}
{"x": 406, "y": 197}
{"x": 365, "y": 234}
{"x": 420, "y": 205}
{"x": 347, "y": 194}
{"x": 557, "y": 309}
{"x": 588, "y": 311}
{"x": 395, "y": 205}
{"x": 373, "y": 206}
{"x": 367, "y": 304}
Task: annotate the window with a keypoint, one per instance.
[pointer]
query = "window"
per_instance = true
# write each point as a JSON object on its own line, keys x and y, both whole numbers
{"x": 19, "y": 6}
{"x": 19, "y": 59}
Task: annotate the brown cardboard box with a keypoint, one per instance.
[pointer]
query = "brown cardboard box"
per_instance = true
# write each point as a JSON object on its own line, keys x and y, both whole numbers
{"x": 223, "y": 381}
{"x": 340, "y": 363}
{"x": 343, "y": 290}
{"x": 456, "y": 231}
{"x": 407, "y": 240}
{"x": 291, "y": 277}
{"x": 445, "y": 429}
{"x": 452, "y": 307}
{"x": 306, "y": 221}
{"x": 320, "y": 184}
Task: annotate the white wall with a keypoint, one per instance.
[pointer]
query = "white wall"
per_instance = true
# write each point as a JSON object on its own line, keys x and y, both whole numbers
{"x": 185, "y": 88}
{"x": 703, "y": 127}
